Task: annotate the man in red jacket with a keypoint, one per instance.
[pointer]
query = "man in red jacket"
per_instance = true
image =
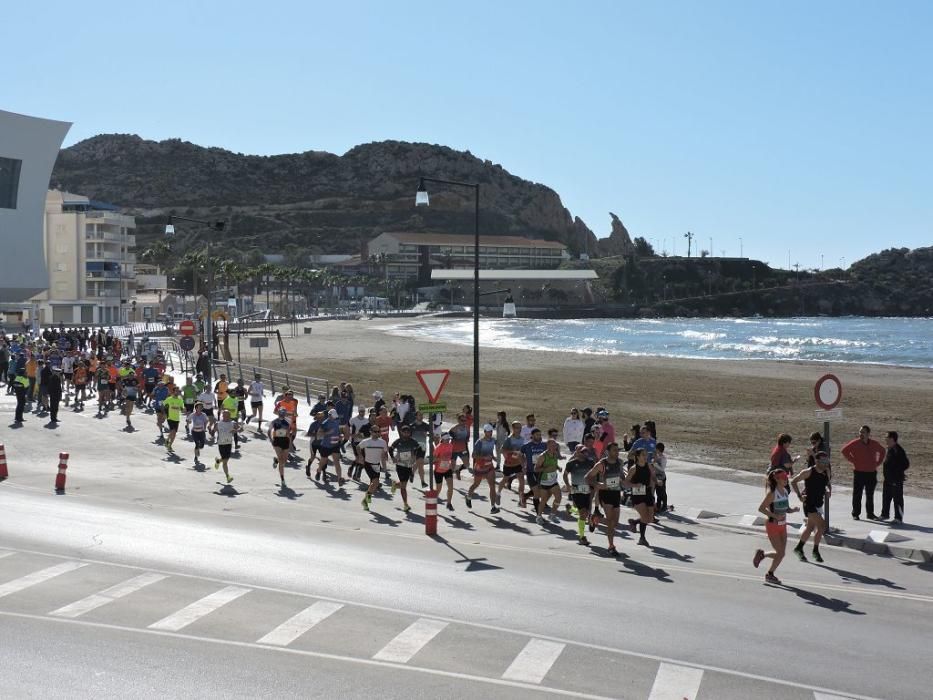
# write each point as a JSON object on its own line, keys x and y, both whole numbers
{"x": 866, "y": 455}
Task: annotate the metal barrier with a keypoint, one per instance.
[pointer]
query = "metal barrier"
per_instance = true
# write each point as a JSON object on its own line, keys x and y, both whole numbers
{"x": 312, "y": 386}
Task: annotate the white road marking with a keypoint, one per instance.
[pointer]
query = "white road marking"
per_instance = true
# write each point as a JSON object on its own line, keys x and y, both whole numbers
{"x": 295, "y": 626}
{"x": 827, "y": 696}
{"x": 674, "y": 682}
{"x": 410, "y": 641}
{"x": 3, "y": 555}
{"x": 534, "y": 661}
{"x": 96, "y": 600}
{"x": 199, "y": 608}
{"x": 37, "y": 577}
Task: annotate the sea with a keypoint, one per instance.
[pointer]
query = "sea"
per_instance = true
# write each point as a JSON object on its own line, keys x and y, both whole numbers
{"x": 906, "y": 342}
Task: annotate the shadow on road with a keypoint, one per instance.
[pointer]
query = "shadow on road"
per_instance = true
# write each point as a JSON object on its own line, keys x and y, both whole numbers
{"x": 860, "y": 578}
{"x": 666, "y": 529}
{"x": 381, "y": 519}
{"x": 456, "y": 522}
{"x": 639, "y": 569}
{"x": 229, "y": 491}
{"x": 478, "y": 564}
{"x": 497, "y": 521}
{"x": 287, "y": 492}
{"x": 820, "y": 601}
{"x": 671, "y": 554}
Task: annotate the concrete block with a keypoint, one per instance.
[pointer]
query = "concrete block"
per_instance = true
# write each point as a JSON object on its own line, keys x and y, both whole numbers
{"x": 886, "y": 537}
{"x": 752, "y": 520}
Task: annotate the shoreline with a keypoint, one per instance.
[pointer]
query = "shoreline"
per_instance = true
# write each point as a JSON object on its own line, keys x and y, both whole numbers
{"x": 726, "y": 412}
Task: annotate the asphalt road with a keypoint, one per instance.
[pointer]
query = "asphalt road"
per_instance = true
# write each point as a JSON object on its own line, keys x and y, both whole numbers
{"x": 148, "y": 576}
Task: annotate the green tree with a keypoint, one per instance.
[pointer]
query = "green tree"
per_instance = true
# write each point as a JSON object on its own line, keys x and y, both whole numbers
{"x": 643, "y": 249}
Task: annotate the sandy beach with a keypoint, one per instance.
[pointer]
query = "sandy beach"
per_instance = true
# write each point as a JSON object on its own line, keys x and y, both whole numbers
{"x": 720, "y": 412}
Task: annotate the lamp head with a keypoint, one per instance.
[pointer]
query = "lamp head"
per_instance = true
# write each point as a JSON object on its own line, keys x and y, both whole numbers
{"x": 421, "y": 196}
{"x": 169, "y": 229}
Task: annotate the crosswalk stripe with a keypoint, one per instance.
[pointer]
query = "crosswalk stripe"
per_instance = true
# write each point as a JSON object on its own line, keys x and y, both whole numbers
{"x": 295, "y": 626}
{"x": 198, "y": 609}
{"x": 827, "y": 696}
{"x": 534, "y": 661}
{"x": 96, "y": 600}
{"x": 410, "y": 641}
{"x": 674, "y": 682}
{"x": 37, "y": 577}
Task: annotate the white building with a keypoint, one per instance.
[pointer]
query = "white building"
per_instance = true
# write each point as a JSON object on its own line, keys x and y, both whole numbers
{"x": 28, "y": 149}
{"x": 408, "y": 254}
{"x": 91, "y": 266}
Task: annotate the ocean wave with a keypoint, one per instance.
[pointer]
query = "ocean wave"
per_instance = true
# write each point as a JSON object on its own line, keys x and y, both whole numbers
{"x": 700, "y": 335}
{"x": 812, "y": 341}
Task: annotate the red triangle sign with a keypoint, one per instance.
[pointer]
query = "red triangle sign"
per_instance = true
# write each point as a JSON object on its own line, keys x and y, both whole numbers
{"x": 433, "y": 381}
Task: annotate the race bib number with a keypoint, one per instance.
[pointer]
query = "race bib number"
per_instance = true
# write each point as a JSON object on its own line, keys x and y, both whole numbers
{"x": 443, "y": 466}
{"x": 405, "y": 458}
{"x": 549, "y": 479}
{"x": 638, "y": 490}
{"x": 582, "y": 488}
{"x": 281, "y": 432}
{"x": 612, "y": 482}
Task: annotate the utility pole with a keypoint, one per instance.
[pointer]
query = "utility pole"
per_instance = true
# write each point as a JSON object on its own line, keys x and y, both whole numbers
{"x": 689, "y": 237}
{"x": 741, "y": 252}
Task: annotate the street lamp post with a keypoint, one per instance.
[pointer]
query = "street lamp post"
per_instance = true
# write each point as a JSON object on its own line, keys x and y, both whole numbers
{"x": 219, "y": 227}
{"x": 422, "y": 200}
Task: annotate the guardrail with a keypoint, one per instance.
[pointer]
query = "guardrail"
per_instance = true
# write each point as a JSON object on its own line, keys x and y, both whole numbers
{"x": 244, "y": 373}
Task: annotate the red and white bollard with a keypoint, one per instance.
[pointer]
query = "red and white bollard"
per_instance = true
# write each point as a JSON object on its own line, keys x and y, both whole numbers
{"x": 3, "y": 472}
{"x": 430, "y": 512}
{"x": 62, "y": 466}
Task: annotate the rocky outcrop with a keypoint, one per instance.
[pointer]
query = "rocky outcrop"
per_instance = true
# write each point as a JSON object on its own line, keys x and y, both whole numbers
{"x": 619, "y": 241}
{"x": 319, "y": 201}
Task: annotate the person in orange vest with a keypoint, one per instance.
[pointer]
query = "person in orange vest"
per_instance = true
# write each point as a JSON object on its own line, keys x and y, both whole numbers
{"x": 443, "y": 467}
{"x": 484, "y": 468}
{"x": 290, "y": 404}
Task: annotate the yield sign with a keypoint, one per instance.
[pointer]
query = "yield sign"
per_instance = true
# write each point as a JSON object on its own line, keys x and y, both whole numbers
{"x": 433, "y": 381}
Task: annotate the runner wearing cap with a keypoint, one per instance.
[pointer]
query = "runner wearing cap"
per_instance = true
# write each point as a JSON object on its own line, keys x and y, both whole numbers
{"x": 484, "y": 468}
{"x": 174, "y": 405}
{"x": 374, "y": 450}
{"x": 405, "y": 453}
{"x": 547, "y": 470}
{"x": 641, "y": 479}
{"x": 775, "y": 506}
{"x": 575, "y": 472}
{"x": 199, "y": 422}
{"x": 513, "y": 463}
{"x": 130, "y": 394}
{"x": 443, "y": 455}
{"x": 226, "y": 431}
{"x": 606, "y": 477}
{"x": 290, "y": 404}
{"x": 278, "y": 434}
{"x": 330, "y": 435}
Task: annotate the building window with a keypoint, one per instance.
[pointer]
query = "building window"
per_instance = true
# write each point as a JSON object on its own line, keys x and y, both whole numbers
{"x": 9, "y": 182}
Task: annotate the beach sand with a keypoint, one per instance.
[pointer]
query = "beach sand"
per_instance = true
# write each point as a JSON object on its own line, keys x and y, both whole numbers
{"x": 721, "y": 412}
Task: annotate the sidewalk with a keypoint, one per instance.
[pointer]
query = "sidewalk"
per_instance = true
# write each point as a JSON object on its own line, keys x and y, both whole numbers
{"x": 730, "y": 498}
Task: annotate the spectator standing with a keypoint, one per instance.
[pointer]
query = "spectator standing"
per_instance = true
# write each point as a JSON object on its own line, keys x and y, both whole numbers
{"x": 894, "y": 468}
{"x": 865, "y": 455}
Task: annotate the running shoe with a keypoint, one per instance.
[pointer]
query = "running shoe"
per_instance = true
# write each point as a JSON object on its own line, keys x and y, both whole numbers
{"x": 450, "y": 506}
{"x": 468, "y": 501}
{"x": 643, "y": 542}
{"x": 771, "y": 578}
{"x": 365, "y": 503}
{"x": 217, "y": 463}
{"x": 633, "y": 525}
{"x": 613, "y": 552}
{"x": 554, "y": 518}
{"x": 569, "y": 508}
{"x": 394, "y": 487}
{"x": 539, "y": 520}
{"x": 583, "y": 540}
{"x": 275, "y": 462}
{"x": 283, "y": 483}
{"x": 817, "y": 556}
{"x": 800, "y": 555}
{"x": 494, "y": 510}
{"x": 406, "y": 509}
{"x": 594, "y": 522}
{"x": 759, "y": 555}
{"x": 229, "y": 479}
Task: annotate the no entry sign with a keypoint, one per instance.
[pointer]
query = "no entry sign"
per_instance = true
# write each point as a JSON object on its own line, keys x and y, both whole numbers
{"x": 187, "y": 327}
{"x": 828, "y": 392}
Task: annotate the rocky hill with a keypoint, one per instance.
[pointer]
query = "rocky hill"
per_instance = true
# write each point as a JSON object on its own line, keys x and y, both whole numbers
{"x": 319, "y": 201}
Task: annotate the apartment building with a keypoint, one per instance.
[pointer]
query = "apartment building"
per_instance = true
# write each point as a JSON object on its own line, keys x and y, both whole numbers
{"x": 409, "y": 255}
{"x": 91, "y": 264}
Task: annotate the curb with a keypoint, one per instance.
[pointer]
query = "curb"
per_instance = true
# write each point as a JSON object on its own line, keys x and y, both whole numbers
{"x": 862, "y": 544}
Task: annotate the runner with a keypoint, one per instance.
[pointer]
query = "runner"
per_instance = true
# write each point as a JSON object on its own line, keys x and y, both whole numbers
{"x": 207, "y": 400}
{"x": 199, "y": 423}
{"x": 317, "y": 419}
{"x": 80, "y": 379}
{"x": 815, "y": 488}
{"x": 606, "y": 477}
{"x": 460, "y": 436}
{"x": 130, "y": 394}
{"x": 290, "y": 404}
{"x": 227, "y": 428}
{"x": 775, "y": 506}
{"x": 660, "y": 477}
{"x": 421, "y": 433}
{"x": 405, "y": 452}
{"x": 330, "y": 435}
{"x": 103, "y": 388}
{"x": 640, "y": 478}
{"x": 278, "y": 435}
{"x": 256, "y": 390}
{"x": 151, "y": 376}
{"x": 443, "y": 456}
{"x": 530, "y": 451}
{"x": 174, "y": 405}
{"x": 231, "y": 404}
{"x": 575, "y": 473}
{"x": 548, "y": 471}
{"x": 374, "y": 449}
{"x": 513, "y": 463}
{"x": 484, "y": 468}
{"x": 158, "y": 395}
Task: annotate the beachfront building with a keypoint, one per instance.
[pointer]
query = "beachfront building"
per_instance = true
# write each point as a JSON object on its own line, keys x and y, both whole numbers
{"x": 91, "y": 264}
{"x": 28, "y": 149}
{"x": 413, "y": 255}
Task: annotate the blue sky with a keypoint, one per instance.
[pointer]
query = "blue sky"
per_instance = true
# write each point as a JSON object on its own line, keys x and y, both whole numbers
{"x": 795, "y": 126}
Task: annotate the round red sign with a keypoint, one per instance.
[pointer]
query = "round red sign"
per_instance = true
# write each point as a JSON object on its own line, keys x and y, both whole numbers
{"x": 187, "y": 327}
{"x": 828, "y": 392}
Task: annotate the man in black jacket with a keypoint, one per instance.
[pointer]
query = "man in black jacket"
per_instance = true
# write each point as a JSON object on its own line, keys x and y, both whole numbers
{"x": 54, "y": 389}
{"x": 894, "y": 466}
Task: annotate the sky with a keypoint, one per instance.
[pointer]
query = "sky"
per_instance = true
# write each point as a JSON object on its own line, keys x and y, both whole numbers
{"x": 793, "y": 132}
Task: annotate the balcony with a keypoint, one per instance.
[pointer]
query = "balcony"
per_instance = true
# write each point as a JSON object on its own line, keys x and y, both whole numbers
{"x": 104, "y": 255}
{"x": 103, "y": 275}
